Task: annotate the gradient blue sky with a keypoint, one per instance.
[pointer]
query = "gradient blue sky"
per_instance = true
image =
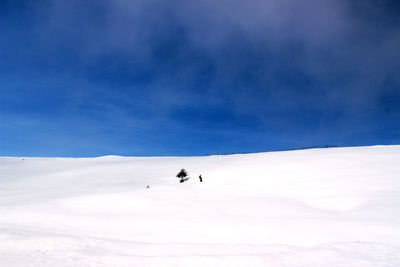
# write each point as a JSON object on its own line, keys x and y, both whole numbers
{"x": 153, "y": 77}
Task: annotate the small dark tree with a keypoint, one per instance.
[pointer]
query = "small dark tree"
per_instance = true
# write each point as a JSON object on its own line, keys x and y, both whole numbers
{"x": 182, "y": 174}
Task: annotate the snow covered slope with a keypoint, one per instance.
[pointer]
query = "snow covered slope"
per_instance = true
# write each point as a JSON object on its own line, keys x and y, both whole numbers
{"x": 318, "y": 207}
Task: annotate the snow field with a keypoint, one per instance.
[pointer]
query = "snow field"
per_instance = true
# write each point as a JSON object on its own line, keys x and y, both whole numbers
{"x": 318, "y": 207}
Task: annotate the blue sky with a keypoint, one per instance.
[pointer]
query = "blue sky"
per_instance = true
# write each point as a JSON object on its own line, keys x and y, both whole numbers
{"x": 147, "y": 78}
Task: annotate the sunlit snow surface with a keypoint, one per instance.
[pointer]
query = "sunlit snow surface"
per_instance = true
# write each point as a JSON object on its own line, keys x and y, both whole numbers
{"x": 318, "y": 207}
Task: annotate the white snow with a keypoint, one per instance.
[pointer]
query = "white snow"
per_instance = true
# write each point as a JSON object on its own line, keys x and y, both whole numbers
{"x": 318, "y": 207}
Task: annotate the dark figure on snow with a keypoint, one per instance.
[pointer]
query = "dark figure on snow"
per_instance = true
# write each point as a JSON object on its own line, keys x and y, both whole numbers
{"x": 182, "y": 174}
{"x": 201, "y": 178}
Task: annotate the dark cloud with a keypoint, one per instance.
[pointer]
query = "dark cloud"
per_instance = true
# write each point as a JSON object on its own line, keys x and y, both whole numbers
{"x": 258, "y": 46}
